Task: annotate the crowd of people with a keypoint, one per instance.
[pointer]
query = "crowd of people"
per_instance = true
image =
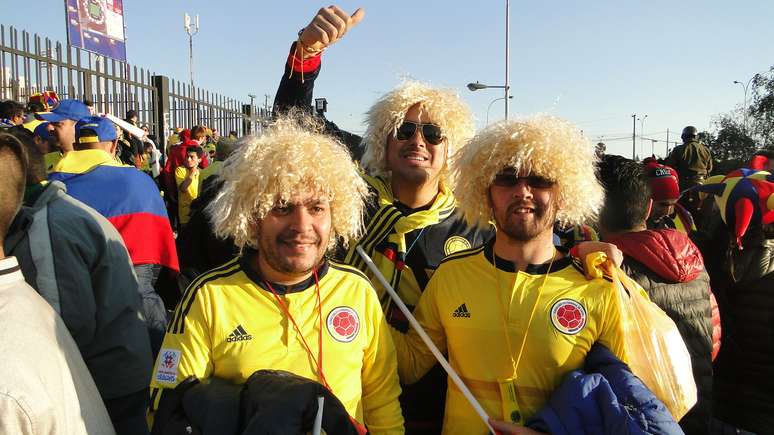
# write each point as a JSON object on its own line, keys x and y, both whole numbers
{"x": 223, "y": 284}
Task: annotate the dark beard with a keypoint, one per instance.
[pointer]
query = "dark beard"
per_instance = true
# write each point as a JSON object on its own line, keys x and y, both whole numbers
{"x": 544, "y": 218}
{"x": 280, "y": 263}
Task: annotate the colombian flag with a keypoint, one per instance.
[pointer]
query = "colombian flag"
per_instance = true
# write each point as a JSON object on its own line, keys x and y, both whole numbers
{"x": 128, "y": 198}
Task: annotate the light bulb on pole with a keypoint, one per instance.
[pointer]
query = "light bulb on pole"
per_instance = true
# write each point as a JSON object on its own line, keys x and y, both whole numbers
{"x": 191, "y": 29}
{"x": 478, "y": 86}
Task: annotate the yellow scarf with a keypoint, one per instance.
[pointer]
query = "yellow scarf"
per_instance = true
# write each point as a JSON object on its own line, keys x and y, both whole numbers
{"x": 390, "y": 225}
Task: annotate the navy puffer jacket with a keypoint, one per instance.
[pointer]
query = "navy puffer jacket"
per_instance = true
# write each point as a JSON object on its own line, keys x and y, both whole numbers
{"x": 604, "y": 398}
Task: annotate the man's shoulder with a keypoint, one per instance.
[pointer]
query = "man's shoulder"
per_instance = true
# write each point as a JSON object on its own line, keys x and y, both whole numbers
{"x": 348, "y": 272}
{"x": 460, "y": 261}
{"x": 73, "y": 215}
{"x": 229, "y": 273}
{"x": 206, "y": 287}
{"x": 575, "y": 272}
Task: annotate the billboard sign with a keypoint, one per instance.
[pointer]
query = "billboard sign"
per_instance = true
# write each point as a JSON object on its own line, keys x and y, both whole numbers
{"x": 97, "y": 26}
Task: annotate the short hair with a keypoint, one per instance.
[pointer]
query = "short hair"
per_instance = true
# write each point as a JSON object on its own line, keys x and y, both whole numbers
{"x": 627, "y": 194}
{"x": 11, "y": 108}
{"x": 35, "y": 106}
{"x": 198, "y": 132}
{"x": 542, "y": 145}
{"x": 287, "y": 159}
{"x": 13, "y": 166}
{"x": 225, "y": 147}
{"x": 443, "y": 106}
{"x": 36, "y": 161}
{"x": 195, "y": 149}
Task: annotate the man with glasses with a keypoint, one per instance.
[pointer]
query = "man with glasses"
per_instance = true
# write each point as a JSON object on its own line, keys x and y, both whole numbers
{"x": 517, "y": 314}
{"x": 411, "y": 219}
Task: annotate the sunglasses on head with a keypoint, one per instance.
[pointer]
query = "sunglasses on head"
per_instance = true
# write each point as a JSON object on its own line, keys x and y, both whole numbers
{"x": 510, "y": 179}
{"x": 431, "y": 132}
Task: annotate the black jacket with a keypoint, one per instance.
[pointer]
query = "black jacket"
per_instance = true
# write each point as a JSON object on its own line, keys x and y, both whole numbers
{"x": 670, "y": 268}
{"x": 744, "y": 370}
{"x": 296, "y": 94}
{"x": 271, "y": 402}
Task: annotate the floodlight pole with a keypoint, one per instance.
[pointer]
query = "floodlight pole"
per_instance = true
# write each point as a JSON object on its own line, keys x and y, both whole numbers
{"x": 191, "y": 28}
{"x": 507, "y": 41}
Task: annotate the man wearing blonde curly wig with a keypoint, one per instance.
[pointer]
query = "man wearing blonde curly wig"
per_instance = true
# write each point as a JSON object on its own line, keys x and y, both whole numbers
{"x": 412, "y": 220}
{"x": 289, "y": 195}
{"x": 516, "y": 314}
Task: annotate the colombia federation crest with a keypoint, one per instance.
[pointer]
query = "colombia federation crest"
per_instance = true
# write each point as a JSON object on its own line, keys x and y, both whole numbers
{"x": 343, "y": 324}
{"x": 568, "y": 316}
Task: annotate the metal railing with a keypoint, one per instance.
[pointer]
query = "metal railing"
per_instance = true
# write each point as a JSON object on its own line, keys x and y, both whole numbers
{"x": 30, "y": 64}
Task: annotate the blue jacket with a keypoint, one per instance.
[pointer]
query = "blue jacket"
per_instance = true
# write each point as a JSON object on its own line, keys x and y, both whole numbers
{"x": 604, "y": 398}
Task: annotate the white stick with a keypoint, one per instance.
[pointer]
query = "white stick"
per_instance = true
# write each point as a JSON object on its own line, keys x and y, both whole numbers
{"x": 134, "y": 130}
{"x": 422, "y": 334}
{"x": 317, "y": 428}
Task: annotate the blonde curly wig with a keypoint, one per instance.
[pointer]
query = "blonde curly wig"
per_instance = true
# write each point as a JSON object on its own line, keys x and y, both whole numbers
{"x": 542, "y": 145}
{"x": 288, "y": 159}
{"x": 443, "y": 106}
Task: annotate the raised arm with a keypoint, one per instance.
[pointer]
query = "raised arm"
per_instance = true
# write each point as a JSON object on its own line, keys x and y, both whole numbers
{"x": 296, "y": 87}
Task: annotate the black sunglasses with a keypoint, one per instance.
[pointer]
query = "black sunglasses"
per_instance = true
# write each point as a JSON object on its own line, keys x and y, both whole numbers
{"x": 431, "y": 132}
{"x": 510, "y": 179}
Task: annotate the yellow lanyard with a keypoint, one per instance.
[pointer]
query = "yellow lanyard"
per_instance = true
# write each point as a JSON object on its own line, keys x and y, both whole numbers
{"x": 504, "y": 318}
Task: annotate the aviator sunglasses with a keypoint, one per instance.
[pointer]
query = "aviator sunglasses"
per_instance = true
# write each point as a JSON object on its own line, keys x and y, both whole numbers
{"x": 509, "y": 178}
{"x": 431, "y": 132}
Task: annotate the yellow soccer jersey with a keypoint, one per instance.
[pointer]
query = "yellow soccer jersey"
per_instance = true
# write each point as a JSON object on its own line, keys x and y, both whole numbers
{"x": 465, "y": 309}
{"x": 186, "y": 197}
{"x": 228, "y": 325}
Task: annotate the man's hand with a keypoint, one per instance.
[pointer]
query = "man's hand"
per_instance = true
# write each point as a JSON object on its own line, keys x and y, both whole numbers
{"x": 504, "y": 428}
{"x": 612, "y": 251}
{"x": 328, "y": 26}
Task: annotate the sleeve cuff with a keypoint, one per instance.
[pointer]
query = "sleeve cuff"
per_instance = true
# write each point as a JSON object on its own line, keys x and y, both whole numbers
{"x": 303, "y": 65}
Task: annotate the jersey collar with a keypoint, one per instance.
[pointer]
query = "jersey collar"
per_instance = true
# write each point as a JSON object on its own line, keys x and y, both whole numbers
{"x": 532, "y": 269}
{"x": 248, "y": 260}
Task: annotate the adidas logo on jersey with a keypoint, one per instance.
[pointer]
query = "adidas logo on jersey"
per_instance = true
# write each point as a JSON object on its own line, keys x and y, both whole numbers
{"x": 461, "y": 311}
{"x": 239, "y": 334}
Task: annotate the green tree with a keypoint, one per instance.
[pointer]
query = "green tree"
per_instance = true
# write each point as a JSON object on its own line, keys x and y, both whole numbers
{"x": 731, "y": 141}
{"x": 761, "y": 110}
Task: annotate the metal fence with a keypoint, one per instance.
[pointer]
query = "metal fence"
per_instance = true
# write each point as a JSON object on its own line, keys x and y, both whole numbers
{"x": 30, "y": 64}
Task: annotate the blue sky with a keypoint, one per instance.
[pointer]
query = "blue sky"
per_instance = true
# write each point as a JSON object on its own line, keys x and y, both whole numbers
{"x": 594, "y": 63}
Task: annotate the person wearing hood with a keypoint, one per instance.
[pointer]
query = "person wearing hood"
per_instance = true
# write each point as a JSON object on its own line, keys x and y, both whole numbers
{"x": 669, "y": 267}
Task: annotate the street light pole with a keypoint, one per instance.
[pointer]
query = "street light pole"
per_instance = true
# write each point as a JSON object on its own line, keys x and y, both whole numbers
{"x": 642, "y": 129}
{"x": 490, "y": 106}
{"x": 744, "y": 107}
{"x": 634, "y": 133}
{"x": 507, "y": 42}
{"x": 191, "y": 28}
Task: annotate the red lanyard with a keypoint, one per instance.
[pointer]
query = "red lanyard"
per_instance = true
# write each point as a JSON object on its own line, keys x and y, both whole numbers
{"x": 319, "y": 360}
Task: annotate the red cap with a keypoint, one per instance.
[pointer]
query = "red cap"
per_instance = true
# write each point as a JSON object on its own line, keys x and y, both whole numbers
{"x": 663, "y": 181}
{"x": 759, "y": 163}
